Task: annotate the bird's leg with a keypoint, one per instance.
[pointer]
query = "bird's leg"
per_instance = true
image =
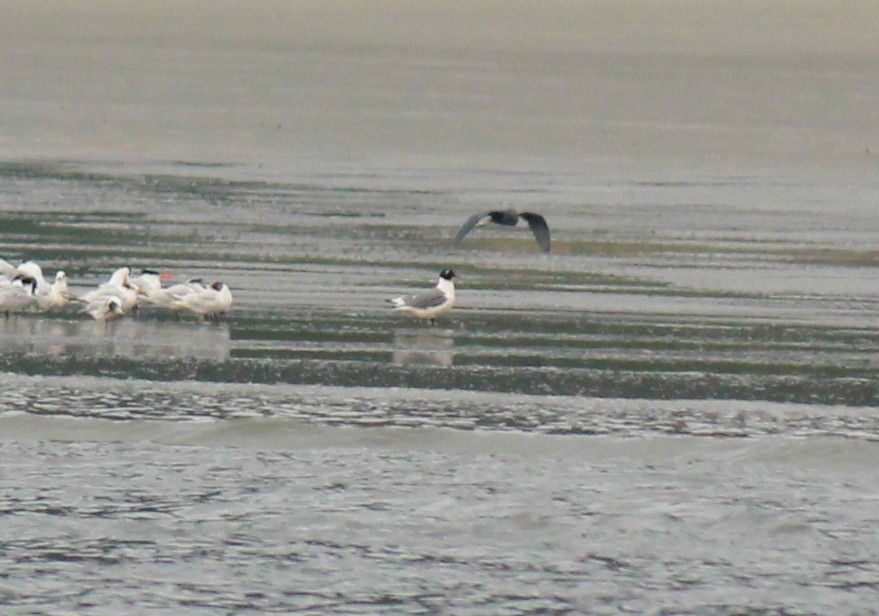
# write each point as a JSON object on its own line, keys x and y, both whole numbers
{"x": 433, "y": 322}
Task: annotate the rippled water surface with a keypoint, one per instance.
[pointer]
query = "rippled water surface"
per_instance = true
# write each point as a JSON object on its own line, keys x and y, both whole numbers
{"x": 675, "y": 411}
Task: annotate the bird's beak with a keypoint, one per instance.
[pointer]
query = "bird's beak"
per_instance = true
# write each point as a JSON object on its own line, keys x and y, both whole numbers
{"x": 142, "y": 292}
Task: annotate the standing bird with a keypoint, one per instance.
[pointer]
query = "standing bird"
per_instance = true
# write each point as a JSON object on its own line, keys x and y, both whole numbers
{"x": 509, "y": 218}
{"x": 49, "y": 297}
{"x": 430, "y": 304}
{"x": 18, "y": 295}
{"x": 209, "y": 301}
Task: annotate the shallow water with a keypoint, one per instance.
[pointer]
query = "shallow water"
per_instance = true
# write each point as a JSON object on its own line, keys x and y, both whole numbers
{"x": 673, "y": 413}
{"x": 614, "y": 428}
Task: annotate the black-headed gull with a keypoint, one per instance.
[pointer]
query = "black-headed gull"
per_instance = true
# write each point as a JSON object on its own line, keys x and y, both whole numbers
{"x": 429, "y": 304}
{"x": 509, "y": 218}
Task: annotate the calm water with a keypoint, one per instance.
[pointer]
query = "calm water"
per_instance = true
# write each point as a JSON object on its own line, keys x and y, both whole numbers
{"x": 674, "y": 413}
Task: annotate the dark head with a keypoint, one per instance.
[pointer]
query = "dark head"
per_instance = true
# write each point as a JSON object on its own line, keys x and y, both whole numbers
{"x": 507, "y": 217}
{"x": 27, "y": 281}
{"x": 447, "y": 274}
{"x": 114, "y": 306}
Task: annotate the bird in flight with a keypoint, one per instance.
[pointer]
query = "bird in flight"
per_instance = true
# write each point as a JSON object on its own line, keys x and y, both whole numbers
{"x": 508, "y": 218}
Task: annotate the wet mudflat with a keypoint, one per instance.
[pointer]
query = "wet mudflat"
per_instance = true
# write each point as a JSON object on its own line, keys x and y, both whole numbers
{"x": 658, "y": 415}
{"x": 675, "y": 412}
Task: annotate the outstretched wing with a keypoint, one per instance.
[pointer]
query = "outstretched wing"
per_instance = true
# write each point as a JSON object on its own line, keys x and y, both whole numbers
{"x": 471, "y": 222}
{"x": 539, "y": 228}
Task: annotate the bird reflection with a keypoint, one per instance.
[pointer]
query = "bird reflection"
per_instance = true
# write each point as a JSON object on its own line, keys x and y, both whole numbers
{"x": 125, "y": 338}
{"x": 423, "y": 348}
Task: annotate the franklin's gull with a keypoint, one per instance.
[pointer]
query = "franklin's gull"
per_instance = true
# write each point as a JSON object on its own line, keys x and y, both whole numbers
{"x": 509, "y": 218}
{"x": 429, "y": 304}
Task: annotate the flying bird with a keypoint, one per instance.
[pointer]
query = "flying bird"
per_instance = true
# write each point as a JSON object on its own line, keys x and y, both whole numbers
{"x": 429, "y": 304}
{"x": 509, "y": 218}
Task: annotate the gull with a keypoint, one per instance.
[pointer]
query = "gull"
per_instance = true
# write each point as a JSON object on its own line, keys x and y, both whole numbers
{"x": 429, "y": 304}
{"x": 105, "y": 308}
{"x": 509, "y": 218}
{"x": 148, "y": 280}
{"x": 57, "y": 296}
{"x": 17, "y": 295}
{"x": 207, "y": 301}
{"x": 117, "y": 286}
{"x": 148, "y": 284}
{"x": 48, "y": 296}
{"x": 171, "y": 298}
{"x": 32, "y": 270}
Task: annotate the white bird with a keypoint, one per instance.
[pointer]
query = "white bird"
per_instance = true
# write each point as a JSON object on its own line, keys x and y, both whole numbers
{"x": 105, "y": 308}
{"x": 31, "y": 269}
{"x": 48, "y": 296}
{"x": 208, "y": 301}
{"x": 117, "y": 286}
{"x": 17, "y": 295}
{"x": 170, "y": 298}
{"x": 7, "y": 271}
{"x": 148, "y": 283}
{"x": 147, "y": 280}
{"x": 429, "y": 304}
{"x": 57, "y": 296}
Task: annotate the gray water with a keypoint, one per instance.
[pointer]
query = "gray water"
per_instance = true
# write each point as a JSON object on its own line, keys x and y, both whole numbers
{"x": 673, "y": 413}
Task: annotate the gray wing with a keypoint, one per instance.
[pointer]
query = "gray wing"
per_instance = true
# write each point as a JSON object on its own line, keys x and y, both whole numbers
{"x": 539, "y": 228}
{"x": 428, "y": 299}
{"x": 471, "y": 222}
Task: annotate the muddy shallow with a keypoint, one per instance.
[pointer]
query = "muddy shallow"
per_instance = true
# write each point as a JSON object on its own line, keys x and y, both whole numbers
{"x": 674, "y": 412}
